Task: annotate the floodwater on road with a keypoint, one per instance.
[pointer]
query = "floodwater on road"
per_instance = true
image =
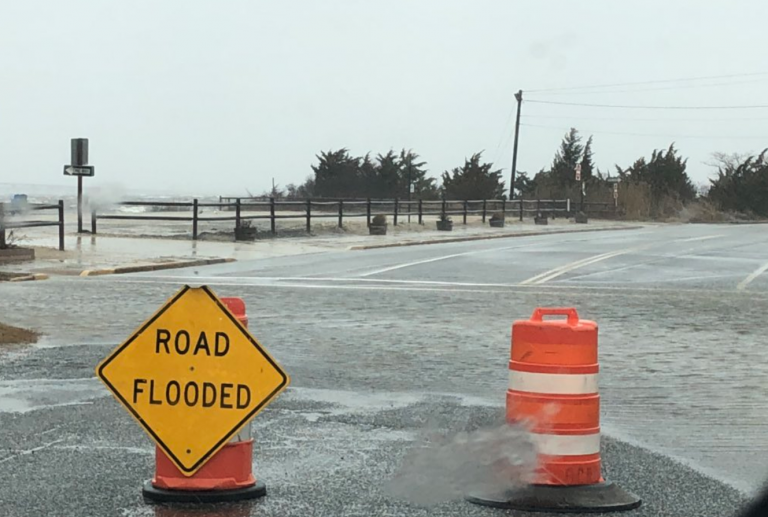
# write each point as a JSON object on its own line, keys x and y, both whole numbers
{"x": 682, "y": 348}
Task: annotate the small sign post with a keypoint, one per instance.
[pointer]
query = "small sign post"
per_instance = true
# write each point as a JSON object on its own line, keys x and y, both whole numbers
{"x": 583, "y": 190}
{"x": 80, "y": 168}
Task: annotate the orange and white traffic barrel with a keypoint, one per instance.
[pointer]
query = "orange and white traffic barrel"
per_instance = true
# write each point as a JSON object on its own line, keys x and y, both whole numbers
{"x": 553, "y": 391}
{"x": 227, "y": 476}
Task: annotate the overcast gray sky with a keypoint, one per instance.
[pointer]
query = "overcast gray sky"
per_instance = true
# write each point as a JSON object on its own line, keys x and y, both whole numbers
{"x": 220, "y": 96}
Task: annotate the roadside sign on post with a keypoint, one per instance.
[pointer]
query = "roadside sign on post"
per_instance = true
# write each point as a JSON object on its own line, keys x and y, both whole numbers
{"x": 578, "y": 172}
{"x": 192, "y": 376}
{"x": 615, "y": 191}
{"x": 79, "y": 167}
{"x": 82, "y": 170}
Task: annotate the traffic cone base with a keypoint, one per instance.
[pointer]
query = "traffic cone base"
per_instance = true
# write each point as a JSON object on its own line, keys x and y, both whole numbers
{"x": 596, "y": 498}
{"x": 159, "y": 495}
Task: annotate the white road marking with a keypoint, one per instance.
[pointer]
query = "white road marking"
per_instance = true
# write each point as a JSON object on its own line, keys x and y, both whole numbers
{"x": 30, "y": 451}
{"x": 368, "y": 287}
{"x": 448, "y": 287}
{"x": 756, "y": 273}
{"x": 416, "y": 263}
{"x": 704, "y": 238}
{"x": 444, "y": 257}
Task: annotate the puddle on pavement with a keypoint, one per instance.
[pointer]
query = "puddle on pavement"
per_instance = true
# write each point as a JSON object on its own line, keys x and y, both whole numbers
{"x": 30, "y": 395}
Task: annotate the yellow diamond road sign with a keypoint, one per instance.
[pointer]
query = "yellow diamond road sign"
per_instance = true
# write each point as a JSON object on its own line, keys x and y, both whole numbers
{"x": 192, "y": 376}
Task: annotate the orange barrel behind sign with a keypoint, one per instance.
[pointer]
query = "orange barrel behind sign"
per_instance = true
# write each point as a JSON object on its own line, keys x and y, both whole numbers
{"x": 553, "y": 391}
{"x": 227, "y": 476}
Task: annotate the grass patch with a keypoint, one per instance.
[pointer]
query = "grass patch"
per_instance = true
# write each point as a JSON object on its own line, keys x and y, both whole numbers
{"x": 10, "y": 335}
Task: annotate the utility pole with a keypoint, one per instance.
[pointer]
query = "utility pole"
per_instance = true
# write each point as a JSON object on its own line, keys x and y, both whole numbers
{"x": 519, "y": 97}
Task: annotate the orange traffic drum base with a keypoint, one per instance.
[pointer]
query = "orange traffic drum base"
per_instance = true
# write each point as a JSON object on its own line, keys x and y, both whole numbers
{"x": 161, "y": 495}
{"x": 598, "y": 498}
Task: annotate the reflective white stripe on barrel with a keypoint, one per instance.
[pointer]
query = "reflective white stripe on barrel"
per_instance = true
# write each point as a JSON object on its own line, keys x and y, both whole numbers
{"x": 566, "y": 444}
{"x": 553, "y": 383}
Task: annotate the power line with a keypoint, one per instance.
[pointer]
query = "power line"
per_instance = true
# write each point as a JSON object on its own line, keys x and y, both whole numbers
{"x": 634, "y": 119}
{"x": 560, "y": 128}
{"x": 758, "y": 106}
{"x": 638, "y": 83}
{"x": 504, "y": 135}
{"x": 634, "y": 90}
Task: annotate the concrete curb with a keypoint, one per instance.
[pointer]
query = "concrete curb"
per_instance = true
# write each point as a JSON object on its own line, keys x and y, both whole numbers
{"x": 488, "y": 237}
{"x": 155, "y": 267}
{"x": 29, "y": 278}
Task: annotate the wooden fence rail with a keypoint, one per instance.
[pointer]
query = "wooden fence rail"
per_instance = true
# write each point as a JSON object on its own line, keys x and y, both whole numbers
{"x": 347, "y": 208}
{"x": 9, "y": 222}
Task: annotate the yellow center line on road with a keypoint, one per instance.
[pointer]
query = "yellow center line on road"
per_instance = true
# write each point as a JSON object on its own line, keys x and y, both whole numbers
{"x": 752, "y": 276}
{"x": 567, "y": 268}
{"x": 559, "y": 271}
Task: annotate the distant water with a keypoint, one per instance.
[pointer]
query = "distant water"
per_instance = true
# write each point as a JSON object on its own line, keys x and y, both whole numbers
{"x": 99, "y": 196}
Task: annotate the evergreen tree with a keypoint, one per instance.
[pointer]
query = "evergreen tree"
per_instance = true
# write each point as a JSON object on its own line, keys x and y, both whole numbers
{"x": 336, "y": 174}
{"x": 388, "y": 177}
{"x": 587, "y": 165}
{"x": 411, "y": 169}
{"x": 563, "y": 170}
{"x": 741, "y": 184}
{"x": 524, "y": 185}
{"x": 665, "y": 173}
{"x": 474, "y": 180}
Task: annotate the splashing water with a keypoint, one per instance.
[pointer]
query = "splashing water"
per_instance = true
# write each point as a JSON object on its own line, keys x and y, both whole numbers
{"x": 450, "y": 467}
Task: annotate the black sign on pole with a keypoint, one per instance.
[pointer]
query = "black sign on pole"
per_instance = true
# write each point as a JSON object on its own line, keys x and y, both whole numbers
{"x": 79, "y": 151}
{"x": 79, "y": 167}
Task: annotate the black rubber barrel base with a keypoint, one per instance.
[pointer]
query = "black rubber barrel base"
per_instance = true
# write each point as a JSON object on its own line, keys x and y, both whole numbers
{"x": 160, "y": 495}
{"x": 598, "y": 498}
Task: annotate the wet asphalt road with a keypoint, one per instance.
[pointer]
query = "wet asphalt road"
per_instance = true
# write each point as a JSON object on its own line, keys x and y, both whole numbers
{"x": 385, "y": 344}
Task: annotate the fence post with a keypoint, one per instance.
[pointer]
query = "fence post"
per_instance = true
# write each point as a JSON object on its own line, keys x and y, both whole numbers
{"x": 309, "y": 215}
{"x": 237, "y": 214}
{"x": 420, "y": 212}
{"x": 272, "y": 215}
{"x": 2, "y": 225}
{"x": 484, "y": 209}
{"x": 341, "y": 212}
{"x": 194, "y": 219}
{"x": 503, "y": 208}
{"x": 368, "y": 212}
{"x": 61, "y": 225}
{"x": 538, "y": 206}
{"x": 521, "y": 208}
{"x": 442, "y": 210}
{"x": 93, "y": 222}
{"x": 466, "y": 203}
{"x": 396, "y": 206}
